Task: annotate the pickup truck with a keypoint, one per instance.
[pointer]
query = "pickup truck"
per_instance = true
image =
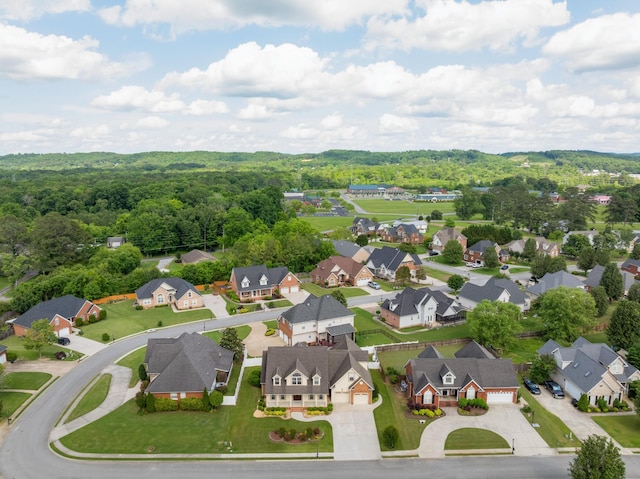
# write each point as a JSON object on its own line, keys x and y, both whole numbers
{"x": 554, "y": 388}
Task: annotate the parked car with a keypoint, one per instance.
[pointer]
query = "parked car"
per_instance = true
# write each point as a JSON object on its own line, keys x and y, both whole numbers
{"x": 504, "y": 266}
{"x": 554, "y": 388}
{"x": 478, "y": 265}
{"x": 469, "y": 265}
{"x": 63, "y": 341}
{"x": 60, "y": 355}
{"x": 531, "y": 386}
{"x": 434, "y": 253}
{"x": 374, "y": 285}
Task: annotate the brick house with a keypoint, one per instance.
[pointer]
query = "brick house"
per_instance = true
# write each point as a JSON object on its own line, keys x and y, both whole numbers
{"x": 258, "y": 282}
{"x": 174, "y": 292}
{"x": 340, "y": 271}
{"x": 442, "y": 237}
{"x": 421, "y": 307}
{"x": 475, "y": 253}
{"x": 402, "y": 233}
{"x": 352, "y": 250}
{"x": 631, "y": 266}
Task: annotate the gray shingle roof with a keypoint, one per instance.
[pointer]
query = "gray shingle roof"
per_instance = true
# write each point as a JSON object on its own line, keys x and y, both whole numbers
{"x": 180, "y": 285}
{"x": 631, "y": 262}
{"x": 66, "y": 306}
{"x": 391, "y": 258}
{"x": 188, "y": 363}
{"x": 555, "y": 280}
{"x": 481, "y": 246}
{"x": 3, "y": 348}
{"x": 196, "y": 255}
{"x": 341, "y": 330}
{"x": 346, "y": 248}
{"x": 473, "y": 350}
{"x": 492, "y": 290}
{"x": 316, "y": 309}
{"x": 274, "y": 276}
{"x": 448, "y": 234}
{"x": 595, "y": 276}
{"x": 406, "y": 302}
{"x": 430, "y": 352}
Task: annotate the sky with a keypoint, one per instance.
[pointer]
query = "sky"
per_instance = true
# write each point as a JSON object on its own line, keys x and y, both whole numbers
{"x": 306, "y": 76}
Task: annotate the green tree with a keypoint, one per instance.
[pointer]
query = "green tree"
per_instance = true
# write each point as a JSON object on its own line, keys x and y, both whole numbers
{"x": 339, "y": 296}
{"x": 544, "y": 264}
{"x": 612, "y": 281}
{"x": 452, "y": 252}
{"x": 455, "y": 282}
{"x": 634, "y": 293}
{"x": 587, "y": 258}
{"x": 583, "y": 403}
{"x": 436, "y": 215}
{"x": 566, "y": 313}
{"x": 362, "y": 240}
{"x": 13, "y": 234}
{"x": 232, "y": 342}
{"x": 624, "y": 329}
{"x": 39, "y": 335}
{"x": 633, "y": 355}
{"x": 603, "y": 256}
{"x": 494, "y": 323}
{"x": 622, "y": 208}
{"x": 490, "y": 258}
{"x": 57, "y": 240}
{"x": 577, "y": 210}
{"x": 407, "y": 248}
{"x": 390, "y": 437}
{"x": 530, "y": 249}
{"x": 468, "y": 204}
{"x": 542, "y": 367}
{"x": 215, "y": 399}
{"x": 597, "y": 458}
{"x": 635, "y": 252}
{"x": 449, "y": 223}
{"x": 574, "y": 245}
{"x": 150, "y": 403}
{"x": 403, "y": 275}
{"x": 206, "y": 403}
{"x": 601, "y": 299}
{"x": 142, "y": 373}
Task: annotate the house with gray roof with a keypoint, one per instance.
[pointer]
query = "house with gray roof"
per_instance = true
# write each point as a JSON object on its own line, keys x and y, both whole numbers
{"x": 364, "y": 226}
{"x": 196, "y": 256}
{"x": 402, "y": 233}
{"x": 589, "y": 368}
{"x": 352, "y": 250}
{"x": 174, "y": 292}
{"x": 384, "y": 262}
{"x": 312, "y": 376}
{"x": 496, "y": 289}
{"x": 554, "y": 280}
{"x": 421, "y": 307}
{"x": 341, "y": 271}
{"x": 475, "y": 252}
{"x": 60, "y": 312}
{"x": 316, "y": 321}
{"x": 632, "y": 266}
{"x": 115, "y": 241}
{"x": 543, "y": 246}
{"x": 595, "y": 277}
{"x": 473, "y": 349}
{"x": 252, "y": 283}
{"x": 442, "y": 237}
{"x": 437, "y": 382}
{"x": 184, "y": 367}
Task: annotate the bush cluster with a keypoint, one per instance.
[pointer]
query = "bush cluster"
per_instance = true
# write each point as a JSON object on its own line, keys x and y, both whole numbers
{"x": 192, "y": 404}
{"x": 79, "y": 322}
{"x": 261, "y": 404}
{"x": 165, "y": 404}
{"x": 319, "y": 411}
{"x": 393, "y": 374}
{"x": 430, "y": 413}
{"x": 275, "y": 411}
{"x": 415, "y": 406}
{"x": 467, "y": 404}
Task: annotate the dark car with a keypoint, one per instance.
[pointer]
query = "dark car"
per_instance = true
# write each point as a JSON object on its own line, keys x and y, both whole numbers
{"x": 531, "y": 386}
{"x": 60, "y": 355}
{"x": 554, "y": 388}
{"x": 504, "y": 266}
{"x": 63, "y": 341}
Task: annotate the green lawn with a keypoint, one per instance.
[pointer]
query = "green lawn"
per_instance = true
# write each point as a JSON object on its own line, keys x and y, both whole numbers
{"x": 271, "y": 324}
{"x": 4, "y": 282}
{"x": 348, "y": 291}
{"x": 392, "y": 413}
{"x": 624, "y": 429}
{"x": 279, "y": 303}
{"x": 397, "y": 359}
{"x": 25, "y": 380}
{"x": 325, "y": 223}
{"x": 442, "y": 260}
{"x": 436, "y": 274}
{"x": 124, "y": 431}
{"x": 11, "y": 401}
{"x": 373, "y": 339}
{"x": 15, "y": 344}
{"x": 474, "y": 438}
{"x": 243, "y": 332}
{"x": 519, "y": 270}
{"x": 93, "y": 398}
{"x": 123, "y": 320}
{"x": 524, "y": 351}
{"x": 132, "y": 361}
{"x": 552, "y": 430}
{"x": 364, "y": 320}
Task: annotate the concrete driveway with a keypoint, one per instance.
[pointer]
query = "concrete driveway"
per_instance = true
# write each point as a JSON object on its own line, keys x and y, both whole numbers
{"x": 216, "y": 305}
{"x": 84, "y": 345}
{"x": 503, "y": 419}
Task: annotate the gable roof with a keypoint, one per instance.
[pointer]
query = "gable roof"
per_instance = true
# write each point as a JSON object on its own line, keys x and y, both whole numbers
{"x": 631, "y": 262}
{"x": 481, "y": 246}
{"x": 406, "y": 302}
{"x": 274, "y": 276}
{"x": 447, "y": 234}
{"x": 347, "y": 264}
{"x": 196, "y": 255}
{"x": 346, "y": 248}
{"x": 316, "y": 309}
{"x": 178, "y": 284}
{"x": 430, "y": 352}
{"x": 492, "y": 290}
{"x": 473, "y": 350}
{"x": 391, "y": 258}
{"x": 188, "y": 363}
{"x": 66, "y": 306}
{"x": 555, "y": 280}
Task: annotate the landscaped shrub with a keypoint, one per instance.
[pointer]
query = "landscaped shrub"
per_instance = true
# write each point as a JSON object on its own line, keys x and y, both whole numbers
{"x": 330, "y": 407}
{"x": 390, "y": 436}
{"x": 191, "y": 404}
{"x": 79, "y": 322}
{"x": 159, "y": 324}
{"x": 144, "y": 385}
{"x": 93, "y": 319}
{"x": 142, "y": 373}
{"x": 254, "y": 378}
{"x": 141, "y": 400}
{"x": 105, "y": 337}
{"x": 11, "y": 356}
{"x": 222, "y": 389}
{"x": 270, "y": 332}
{"x": 583, "y": 403}
{"x": 215, "y": 399}
{"x": 309, "y": 432}
{"x": 302, "y": 437}
{"x": 151, "y": 403}
{"x": 526, "y": 409}
{"x": 282, "y": 432}
{"x": 165, "y": 405}
{"x": 602, "y": 404}
{"x": 438, "y": 412}
{"x": 139, "y": 307}
{"x": 206, "y": 404}
{"x": 102, "y": 315}
{"x": 275, "y": 411}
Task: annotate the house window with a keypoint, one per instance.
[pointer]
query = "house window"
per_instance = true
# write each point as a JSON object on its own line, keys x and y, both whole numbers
{"x": 352, "y": 376}
{"x": 194, "y": 301}
{"x": 447, "y": 379}
{"x": 281, "y": 397}
{"x": 310, "y": 396}
{"x": 273, "y": 397}
{"x": 276, "y": 381}
{"x": 316, "y": 380}
{"x": 189, "y": 294}
{"x": 174, "y": 396}
{"x": 57, "y": 322}
{"x": 296, "y": 379}
{"x": 186, "y": 302}
{"x": 160, "y": 299}
{"x": 616, "y": 368}
{"x": 320, "y": 397}
{"x": 183, "y": 395}
{"x": 146, "y": 301}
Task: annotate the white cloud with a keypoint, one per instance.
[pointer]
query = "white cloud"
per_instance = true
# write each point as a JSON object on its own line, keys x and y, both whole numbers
{"x": 605, "y": 43}
{"x": 204, "y": 107}
{"x": 152, "y": 123}
{"x": 94, "y": 132}
{"x": 461, "y": 26}
{"x": 28, "y": 55}
{"x": 255, "y": 112}
{"x": 30, "y": 9}
{"x": 133, "y": 97}
{"x": 331, "y": 122}
{"x": 187, "y": 15}
{"x": 392, "y": 124}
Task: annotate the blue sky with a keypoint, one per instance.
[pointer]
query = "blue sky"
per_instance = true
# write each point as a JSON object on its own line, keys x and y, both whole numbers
{"x": 305, "y": 76}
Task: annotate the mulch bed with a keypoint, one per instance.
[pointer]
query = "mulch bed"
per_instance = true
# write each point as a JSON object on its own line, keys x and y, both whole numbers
{"x": 409, "y": 415}
{"x": 474, "y": 411}
{"x": 275, "y": 437}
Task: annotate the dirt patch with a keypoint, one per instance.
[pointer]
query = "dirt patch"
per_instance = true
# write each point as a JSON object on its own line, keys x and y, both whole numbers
{"x": 42, "y": 365}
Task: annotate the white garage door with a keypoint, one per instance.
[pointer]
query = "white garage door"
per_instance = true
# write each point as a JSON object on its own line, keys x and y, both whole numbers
{"x": 499, "y": 398}
{"x": 294, "y": 289}
{"x": 64, "y": 332}
{"x": 361, "y": 398}
{"x": 340, "y": 397}
{"x": 363, "y": 282}
{"x": 284, "y": 290}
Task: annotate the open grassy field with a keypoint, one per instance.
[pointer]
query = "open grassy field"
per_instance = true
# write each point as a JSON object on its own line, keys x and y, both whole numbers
{"x": 624, "y": 429}
{"x": 325, "y": 223}
{"x": 124, "y": 431}
{"x": 123, "y": 320}
{"x": 401, "y": 207}
{"x": 31, "y": 381}
{"x": 474, "y": 438}
{"x": 92, "y": 399}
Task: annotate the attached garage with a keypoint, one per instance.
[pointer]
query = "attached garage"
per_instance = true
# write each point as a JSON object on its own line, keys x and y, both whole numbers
{"x": 360, "y": 398}
{"x": 340, "y": 397}
{"x": 284, "y": 290}
{"x": 500, "y": 397}
{"x": 363, "y": 282}
{"x": 64, "y": 332}
{"x": 294, "y": 289}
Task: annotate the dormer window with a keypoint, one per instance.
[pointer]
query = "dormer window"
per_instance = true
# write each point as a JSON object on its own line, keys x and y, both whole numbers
{"x": 245, "y": 283}
{"x": 296, "y": 379}
{"x": 276, "y": 380}
{"x": 316, "y": 380}
{"x": 263, "y": 281}
{"x": 616, "y": 368}
{"x": 447, "y": 379}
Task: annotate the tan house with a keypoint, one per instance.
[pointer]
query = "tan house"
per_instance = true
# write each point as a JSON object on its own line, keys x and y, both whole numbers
{"x": 442, "y": 237}
{"x": 340, "y": 271}
{"x": 543, "y": 246}
{"x": 175, "y": 292}
{"x": 61, "y": 313}
{"x": 312, "y": 376}
{"x": 352, "y": 250}
{"x": 257, "y": 282}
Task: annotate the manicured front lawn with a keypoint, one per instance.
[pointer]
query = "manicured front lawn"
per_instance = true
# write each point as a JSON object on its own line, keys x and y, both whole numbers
{"x": 624, "y": 429}
{"x": 123, "y": 320}
{"x": 271, "y": 324}
{"x": 436, "y": 274}
{"x": 347, "y": 291}
{"x": 11, "y": 401}
{"x": 25, "y": 380}
{"x": 524, "y": 350}
{"x": 133, "y": 361}
{"x": 124, "y": 431}
{"x": 16, "y": 345}
{"x": 392, "y": 413}
{"x": 93, "y": 398}
{"x": 279, "y": 303}
{"x": 552, "y": 430}
{"x": 474, "y": 438}
{"x": 243, "y": 331}
{"x": 364, "y": 320}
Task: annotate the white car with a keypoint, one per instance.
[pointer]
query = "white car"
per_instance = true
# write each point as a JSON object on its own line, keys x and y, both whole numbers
{"x": 477, "y": 265}
{"x": 374, "y": 285}
{"x": 470, "y": 265}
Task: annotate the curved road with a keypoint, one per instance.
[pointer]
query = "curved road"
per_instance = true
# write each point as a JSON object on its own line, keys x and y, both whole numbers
{"x": 25, "y": 453}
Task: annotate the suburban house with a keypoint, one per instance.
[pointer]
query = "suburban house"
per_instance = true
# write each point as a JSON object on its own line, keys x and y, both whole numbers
{"x": 496, "y": 289}
{"x": 175, "y": 292}
{"x": 475, "y": 253}
{"x": 473, "y": 349}
{"x": 421, "y": 225}
{"x": 61, "y": 313}
{"x": 115, "y": 241}
{"x": 441, "y": 382}
{"x": 352, "y": 250}
{"x": 595, "y": 276}
{"x": 316, "y": 320}
{"x": 3, "y": 354}
{"x": 555, "y": 280}
{"x": 403, "y": 233}
{"x": 543, "y": 246}
{"x": 196, "y": 256}
{"x": 442, "y": 237}
{"x": 184, "y": 367}
{"x": 421, "y": 307}
{"x": 589, "y": 234}
{"x": 384, "y": 262}
{"x": 589, "y": 368}
{"x": 631, "y": 266}
{"x": 258, "y": 282}
{"x": 312, "y": 376}
{"x": 340, "y": 271}
{"x": 364, "y": 226}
